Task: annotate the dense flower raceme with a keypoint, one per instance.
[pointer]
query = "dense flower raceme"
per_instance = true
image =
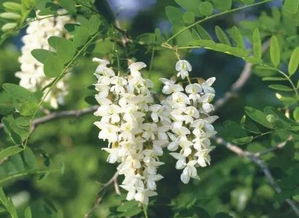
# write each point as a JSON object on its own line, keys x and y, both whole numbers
{"x": 191, "y": 125}
{"x": 135, "y": 138}
{"x": 32, "y": 75}
{"x": 138, "y": 129}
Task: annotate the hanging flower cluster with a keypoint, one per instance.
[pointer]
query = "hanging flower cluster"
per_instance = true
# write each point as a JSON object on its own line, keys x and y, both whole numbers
{"x": 32, "y": 75}
{"x": 137, "y": 129}
{"x": 191, "y": 125}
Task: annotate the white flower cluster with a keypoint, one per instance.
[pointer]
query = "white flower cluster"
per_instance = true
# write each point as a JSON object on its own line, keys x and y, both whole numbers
{"x": 138, "y": 129}
{"x": 32, "y": 75}
{"x": 135, "y": 140}
{"x": 191, "y": 125}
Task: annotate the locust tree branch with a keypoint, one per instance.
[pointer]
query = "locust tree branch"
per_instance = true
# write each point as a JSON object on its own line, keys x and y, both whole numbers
{"x": 261, "y": 164}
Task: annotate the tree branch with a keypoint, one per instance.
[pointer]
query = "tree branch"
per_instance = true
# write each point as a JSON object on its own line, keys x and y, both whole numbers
{"x": 112, "y": 180}
{"x": 60, "y": 115}
{"x": 261, "y": 164}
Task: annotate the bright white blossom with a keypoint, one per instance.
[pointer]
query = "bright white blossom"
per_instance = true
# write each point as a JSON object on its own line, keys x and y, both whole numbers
{"x": 191, "y": 125}
{"x": 31, "y": 74}
{"x": 183, "y": 67}
{"x": 134, "y": 127}
{"x": 137, "y": 128}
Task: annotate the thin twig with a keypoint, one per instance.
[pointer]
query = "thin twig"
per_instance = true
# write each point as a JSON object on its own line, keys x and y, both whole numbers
{"x": 261, "y": 164}
{"x": 277, "y": 147}
{"x": 60, "y": 115}
{"x": 100, "y": 195}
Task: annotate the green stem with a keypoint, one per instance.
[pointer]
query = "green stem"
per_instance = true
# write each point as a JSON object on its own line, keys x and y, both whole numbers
{"x": 145, "y": 211}
{"x": 213, "y": 16}
{"x": 152, "y": 61}
{"x": 290, "y": 81}
{"x": 286, "y": 76}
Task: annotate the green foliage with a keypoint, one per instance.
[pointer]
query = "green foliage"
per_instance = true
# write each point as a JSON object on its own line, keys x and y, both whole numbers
{"x": 6, "y": 202}
{"x": 294, "y": 62}
{"x": 60, "y": 165}
{"x": 290, "y": 7}
{"x": 275, "y": 51}
{"x": 56, "y": 63}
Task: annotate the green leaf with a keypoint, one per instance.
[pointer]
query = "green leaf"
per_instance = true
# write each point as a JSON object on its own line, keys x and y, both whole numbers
{"x": 243, "y": 140}
{"x": 6, "y": 104}
{"x": 258, "y": 116}
{"x": 275, "y": 51}
{"x": 188, "y": 17}
{"x": 12, "y": 150}
{"x": 205, "y": 8}
{"x": 294, "y": 62}
{"x": 237, "y": 37}
{"x": 64, "y": 48}
{"x": 16, "y": 131}
{"x": 27, "y": 213}
{"x": 281, "y": 88}
{"x": 257, "y": 44}
{"x": 223, "y": 4}
{"x": 12, "y": 6}
{"x": 7, "y": 203}
{"x": 221, "y": 35}
{"x": 69, "y": 5}
{"x": 211, "y": 45}
{"x": 290, "y": 7}
{"x": 42, "y": 55}
{"x": 17, "y": 91}
{"x": 203, "y": 33}
{"x": 249, "y": 125}
{"x": 8, "y": 26}
{"x": 29, "y": 158}
{"x": 54, "y": 66}
{"x": 174, "y": 15}
{"x": 22, "y": 99}
{"x": 229, "y": 135}
{"x": 10, "y": 16}
{"x": 272, "y": 78}
{"x": 190, "y": 5}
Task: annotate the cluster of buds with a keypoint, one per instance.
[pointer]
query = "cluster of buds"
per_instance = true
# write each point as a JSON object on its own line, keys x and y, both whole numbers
{"x": 32, "y": 75}
{"x": 138, "y": 129}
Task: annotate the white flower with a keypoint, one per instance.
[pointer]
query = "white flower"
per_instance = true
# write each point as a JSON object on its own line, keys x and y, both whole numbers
{"x": 193, "y": 90}
{"x": 180, "y": 98}
{"x": 206, "y": 86}
{"x": 179, "y": 129}
{"x": 181, "y": 160}
{"x": 189, "y": 171}
{"x": 203, "y": 157}
{"x": 174, "y": 142}
{"x": 135, "y": 68}
{"x": 183, "y": 67}
{"x": 170, "y": 86}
